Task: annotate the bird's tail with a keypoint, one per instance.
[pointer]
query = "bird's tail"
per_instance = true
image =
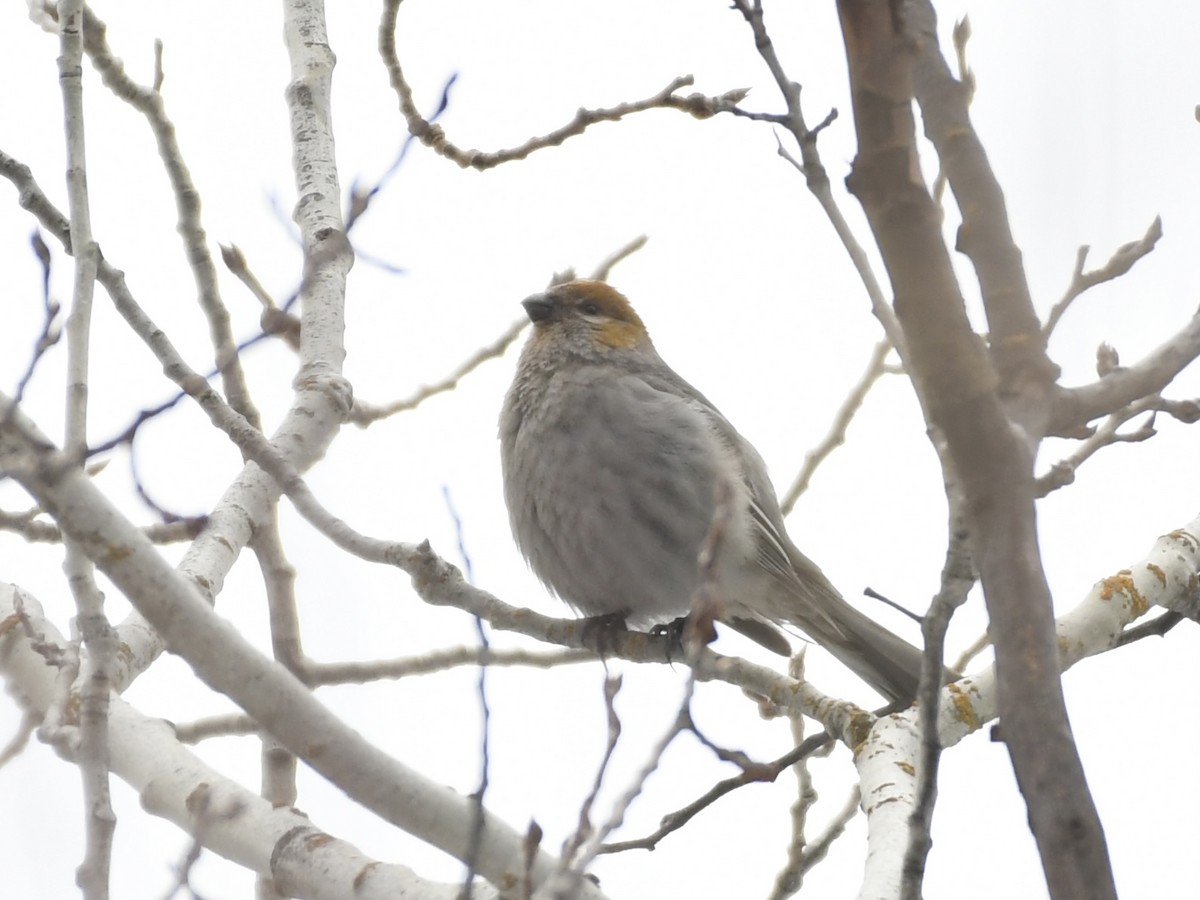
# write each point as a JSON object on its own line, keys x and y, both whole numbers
{"x": 882, "y": 659}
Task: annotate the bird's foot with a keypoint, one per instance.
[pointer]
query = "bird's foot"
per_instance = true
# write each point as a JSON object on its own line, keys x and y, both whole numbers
{"x": 599, "y": 633}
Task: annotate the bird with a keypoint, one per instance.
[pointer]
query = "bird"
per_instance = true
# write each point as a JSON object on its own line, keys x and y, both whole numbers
{"x": 614, "y": 469}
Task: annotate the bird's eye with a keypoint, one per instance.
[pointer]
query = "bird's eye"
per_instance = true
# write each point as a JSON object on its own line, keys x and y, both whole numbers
{"x": 591, "y": 308}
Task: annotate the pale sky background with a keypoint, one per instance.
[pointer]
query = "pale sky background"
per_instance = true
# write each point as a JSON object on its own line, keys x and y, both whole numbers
{"x": 1087, "y": 112}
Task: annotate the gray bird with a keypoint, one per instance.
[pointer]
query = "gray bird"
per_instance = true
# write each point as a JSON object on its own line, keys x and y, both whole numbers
{"x": 613, "y": 465}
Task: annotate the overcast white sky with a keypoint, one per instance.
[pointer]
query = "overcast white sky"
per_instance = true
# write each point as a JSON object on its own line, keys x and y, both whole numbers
{"x": 1087, "y": 113}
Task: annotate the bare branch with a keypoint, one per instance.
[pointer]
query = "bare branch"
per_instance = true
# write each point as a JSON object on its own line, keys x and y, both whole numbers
{"x": 1118, "y": 264}
{"x": 958, "y": 577}
{"x": 1109, "y": 432}
{"x": 273, "y": 319}
{"x": 836, "y": 436}
{"x": 962, "y": 34}
{"x": 1017, "y": 345}
{"x": 95, "y": 631}
{"x": 1073, "y": 408}
{"x": 584, "y": 829}
{"x": 817, "y": 850}
{"x": 813, "y": 169}
{"x": 354, "y": 672}
{"x": 1156, "y": 627}
{"x": 36, "y": 531}
{"x": 149, "y": 102}
{"x": 438, "y": 661}
{"x": 604, "y": 269}
{"x": 364, "y": 414}
{"x": 791, "y": 877}
{"x": 595, "y": 845}
{"x": 992, "y": 460}
{"x": 698, "y": 105}
{"x": 51, "y": 332}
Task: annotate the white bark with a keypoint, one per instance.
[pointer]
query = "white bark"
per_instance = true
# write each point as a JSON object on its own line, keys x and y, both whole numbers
{"x": 175, "y": 784}
{"x": 229, "y": 664}
{"x": 887, "y": 760}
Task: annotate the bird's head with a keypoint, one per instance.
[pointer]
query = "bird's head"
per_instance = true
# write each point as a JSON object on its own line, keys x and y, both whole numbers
{"x": 586, "y": 317}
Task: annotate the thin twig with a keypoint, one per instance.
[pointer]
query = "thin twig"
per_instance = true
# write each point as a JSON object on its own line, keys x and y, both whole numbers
{"x": 583, "y": 829}
{"x": 51, "y": 332}
{"x": 813, "y": 169}
{"x": 363, "y": 413}
{"x": 273, "y": 320}
{"x": 958, "y": 577}
{"x": 606, "y": 265}
{"x": 149, "y": 102}
{"x": 1109, "y": 433}
{"x": 95, "y": 631}
{"x": 1118, "y": 264}
{"x": 791, "y": 877}
{"x": 766, "y": 772}
{"x": 1156, "y": 627}
{"x": 966, "y": 76}
{"x": 817, "y": 850}
{"x": 836, "y": 436}
{"x": 279, "y": 767}
{"x": 434, "y": 137}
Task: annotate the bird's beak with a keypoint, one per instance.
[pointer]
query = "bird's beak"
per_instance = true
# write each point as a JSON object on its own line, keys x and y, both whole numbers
{"x": 538, "y": 308}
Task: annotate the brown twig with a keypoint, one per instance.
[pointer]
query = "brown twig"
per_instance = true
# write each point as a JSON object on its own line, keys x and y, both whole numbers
{"x": 813, "y": 169}
{"x": 1073, "y": 408}
{"x": 1109, "y": 432}
{"x": 1124, "y": 259}
{"x": 605, "y": 266}
{"x": 583, "y": 829}
{"x": 962, "y": 34}
{"x": 149, "y": 102}
{"x": 273, "y": 320}
{"x": 836, "y": 436}
{"x": 317, "y": 674}
{"x": 434, "y": 137}
{"x": 1016, "y": 343}
{"x": 891, "y": 62}
{"x": 364, "y": 414}
{"x": 765, "y": 772}
{"x": 958, "y": 577}
{"x": 1156, "y": 627}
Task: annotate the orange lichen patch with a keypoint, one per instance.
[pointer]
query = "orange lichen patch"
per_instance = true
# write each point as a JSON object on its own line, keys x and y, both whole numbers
{"x": 1158, "y": 573}
{"x": 1068, "y": 649}
{"x": 118, "y": 553}
{"x": 964, "y": 709}
{"x": 858, "y": 729}
{"x": 1184, "y": 536}
{"x": 1122, "y": 583}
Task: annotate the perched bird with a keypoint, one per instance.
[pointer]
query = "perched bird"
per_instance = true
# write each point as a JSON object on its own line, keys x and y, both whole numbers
{"x": 613, "y": 466}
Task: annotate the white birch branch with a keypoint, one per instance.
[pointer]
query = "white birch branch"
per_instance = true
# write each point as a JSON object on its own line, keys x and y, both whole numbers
{"x": 224, "y": 660}
{"x": 887, "y": 761}
{"x": 173, "y": 783}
